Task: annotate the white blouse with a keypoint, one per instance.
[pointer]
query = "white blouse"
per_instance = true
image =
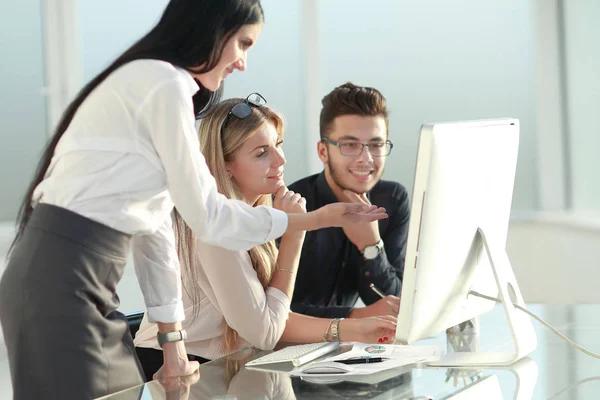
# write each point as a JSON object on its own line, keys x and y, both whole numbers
{"x": 230, "y": 292}
{"x": 132, "y": 152}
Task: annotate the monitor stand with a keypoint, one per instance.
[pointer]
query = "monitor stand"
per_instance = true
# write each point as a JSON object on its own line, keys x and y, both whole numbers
{"x": 521, "y": 329}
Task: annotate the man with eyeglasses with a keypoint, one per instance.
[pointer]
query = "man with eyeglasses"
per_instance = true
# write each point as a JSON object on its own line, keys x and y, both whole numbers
{"x": 338, "y": 265}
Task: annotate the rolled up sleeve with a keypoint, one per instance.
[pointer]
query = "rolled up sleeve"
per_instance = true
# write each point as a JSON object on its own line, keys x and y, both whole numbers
{"x": 159, "y": 273}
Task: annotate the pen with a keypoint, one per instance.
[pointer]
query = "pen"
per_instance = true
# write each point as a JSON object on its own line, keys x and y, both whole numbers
{"x": 366, "y": 360}
{"x": 373, "y": 288}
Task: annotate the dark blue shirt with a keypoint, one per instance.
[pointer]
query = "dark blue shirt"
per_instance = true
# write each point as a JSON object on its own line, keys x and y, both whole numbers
{"x": 332, "y": 271}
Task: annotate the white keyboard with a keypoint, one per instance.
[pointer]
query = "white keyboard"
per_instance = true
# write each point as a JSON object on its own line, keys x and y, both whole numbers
{"x": 297, "y": 355}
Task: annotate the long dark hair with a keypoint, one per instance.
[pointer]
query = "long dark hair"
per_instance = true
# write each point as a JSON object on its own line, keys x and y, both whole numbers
{"x": 190, "y": 34}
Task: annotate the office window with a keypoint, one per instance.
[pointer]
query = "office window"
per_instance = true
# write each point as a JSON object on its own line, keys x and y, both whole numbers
{"x": 582, "y": 99}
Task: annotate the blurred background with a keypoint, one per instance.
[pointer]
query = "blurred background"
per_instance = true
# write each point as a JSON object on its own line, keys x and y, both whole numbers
{"x": 434, "y": 60}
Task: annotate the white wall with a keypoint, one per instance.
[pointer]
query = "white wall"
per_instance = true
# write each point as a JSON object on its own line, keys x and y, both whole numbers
{"x": 276, "y": 70}
{"x": 22, "y": 104}
{"x": 109, "y": 27}
{"x": 437, "y": 61}
{"x": 556, "y": 257}
{"x": 582, "y": 55}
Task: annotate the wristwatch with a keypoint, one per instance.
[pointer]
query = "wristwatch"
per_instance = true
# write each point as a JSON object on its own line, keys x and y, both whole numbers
{"x": 171, "y": 337}
{"x": 371, "y": 252}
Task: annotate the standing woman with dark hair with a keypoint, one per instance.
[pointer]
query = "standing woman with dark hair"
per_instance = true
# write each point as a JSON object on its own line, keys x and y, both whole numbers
{"x": 124, "y": 153}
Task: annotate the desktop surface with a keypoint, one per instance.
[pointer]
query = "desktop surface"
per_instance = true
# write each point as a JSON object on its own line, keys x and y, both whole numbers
{"x": 553, "y": 371}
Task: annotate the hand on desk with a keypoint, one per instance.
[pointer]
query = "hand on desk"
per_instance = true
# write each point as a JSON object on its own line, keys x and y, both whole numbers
{"x": 177, "y": 373}
{"x": 380, "y": 329}
{"x": 389, "y": 305}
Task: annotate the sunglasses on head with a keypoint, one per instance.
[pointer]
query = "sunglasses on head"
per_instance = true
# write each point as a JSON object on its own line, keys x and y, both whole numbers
{"x": 243, "y": 109}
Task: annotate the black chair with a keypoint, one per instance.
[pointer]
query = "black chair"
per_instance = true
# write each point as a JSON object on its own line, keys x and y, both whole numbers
{"x": 133, "y": 321}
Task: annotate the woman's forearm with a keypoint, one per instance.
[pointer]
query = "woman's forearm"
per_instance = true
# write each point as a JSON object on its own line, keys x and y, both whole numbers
{"x": 309, "y": 221}
{"x": 174, "y": 353}
{"x": 304, "y": 329}
{"x": 290, "y": 249}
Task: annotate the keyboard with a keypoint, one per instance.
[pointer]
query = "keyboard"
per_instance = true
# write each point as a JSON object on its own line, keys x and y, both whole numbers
{"x": 297, "y": 355}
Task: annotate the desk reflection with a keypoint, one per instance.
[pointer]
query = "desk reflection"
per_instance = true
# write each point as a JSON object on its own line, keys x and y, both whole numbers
{"x": 478, "y": 381}
{"x": 564, "y": 373}
{"x": 466, "y": 338}
{"x": 398, "y": 386}
{"x": 463, "y": 338}
{"x": 228, "y": 379}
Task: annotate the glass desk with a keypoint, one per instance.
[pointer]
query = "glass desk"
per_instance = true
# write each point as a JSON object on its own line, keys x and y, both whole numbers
{"x": 553, "y": 371}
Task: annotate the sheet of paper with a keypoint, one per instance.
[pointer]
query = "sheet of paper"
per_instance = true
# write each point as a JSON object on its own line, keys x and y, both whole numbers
{"x": 396, "y": 352}
{"x": 395, "y": 356}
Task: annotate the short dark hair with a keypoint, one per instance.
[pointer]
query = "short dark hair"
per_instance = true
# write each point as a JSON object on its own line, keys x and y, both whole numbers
{"x": 349, "y": 99}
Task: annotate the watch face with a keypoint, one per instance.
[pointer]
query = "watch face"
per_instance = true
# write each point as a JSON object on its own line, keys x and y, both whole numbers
{"x": 370, "y": 252}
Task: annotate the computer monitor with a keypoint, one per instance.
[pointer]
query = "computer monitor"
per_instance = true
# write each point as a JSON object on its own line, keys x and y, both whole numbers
{"x": 459, "y": 219}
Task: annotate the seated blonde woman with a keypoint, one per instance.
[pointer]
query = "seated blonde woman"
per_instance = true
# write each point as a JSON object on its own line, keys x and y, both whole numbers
{"x": 237, "y": 299}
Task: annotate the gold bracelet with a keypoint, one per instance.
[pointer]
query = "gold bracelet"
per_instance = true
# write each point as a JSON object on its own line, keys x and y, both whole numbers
{"x": 326, "y": 334}
{"x": 335, "y": 330}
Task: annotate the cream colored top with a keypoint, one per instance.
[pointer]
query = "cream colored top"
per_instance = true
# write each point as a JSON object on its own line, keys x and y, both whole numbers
{"x": 230, "y": 291}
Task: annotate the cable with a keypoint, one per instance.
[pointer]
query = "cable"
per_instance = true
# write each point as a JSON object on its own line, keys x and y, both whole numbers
{"x": 547, "y": 325}
{"x": 571, "y": 386}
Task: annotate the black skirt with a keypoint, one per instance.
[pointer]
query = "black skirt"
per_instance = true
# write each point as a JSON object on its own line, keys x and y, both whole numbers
{"x": 58, "y": 308}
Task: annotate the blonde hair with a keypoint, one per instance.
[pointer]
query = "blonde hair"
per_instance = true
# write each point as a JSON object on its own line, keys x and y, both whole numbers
{"x": 219, "y": 147}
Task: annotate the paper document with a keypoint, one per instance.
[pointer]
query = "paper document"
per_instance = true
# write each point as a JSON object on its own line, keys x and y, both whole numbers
{"x": 388, "y": 356}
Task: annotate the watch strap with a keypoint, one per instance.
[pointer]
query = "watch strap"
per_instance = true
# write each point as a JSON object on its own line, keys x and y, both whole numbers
{"x": 174, "y": 336}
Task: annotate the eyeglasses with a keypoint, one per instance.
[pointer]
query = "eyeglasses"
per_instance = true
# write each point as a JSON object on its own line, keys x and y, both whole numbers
{"x": 243, "y": 109}
{"x": 352, "y": 148}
